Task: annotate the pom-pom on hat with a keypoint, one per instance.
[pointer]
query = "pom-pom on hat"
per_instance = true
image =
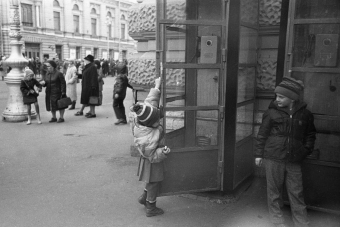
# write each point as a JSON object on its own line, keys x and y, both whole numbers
{"x": 290, "y": 88}
{"x": 147, "y": 114}
{"x": 28, "y": 72}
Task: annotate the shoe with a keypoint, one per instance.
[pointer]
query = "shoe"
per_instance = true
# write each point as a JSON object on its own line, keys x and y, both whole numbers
{"x": 91, "y": 116}
{"x": 87, "y": 114}
{"x": 142, "y": 198}
{"x": 53, "y": 120}
{"x": 61, "y": 120}
{"x": 152, "y": 210}
{"x": 79, "y": 114}
{"x": 120, "y": 121}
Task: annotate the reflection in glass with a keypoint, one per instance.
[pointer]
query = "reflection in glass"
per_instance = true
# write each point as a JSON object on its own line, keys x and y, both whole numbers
{"x": 193, "y": 10}
{"x": 316, "y": 45}
{"x": 248, "y": 46}
{"x": 246, "y": 84}
{"x": 249, "y": 11}
{"x": 184, "y": 43}
{"x": 311, "y": 9}
{"x": 244, "y": 124}
{"x": 203, "y": 87}
{"x": 191, "y": 128}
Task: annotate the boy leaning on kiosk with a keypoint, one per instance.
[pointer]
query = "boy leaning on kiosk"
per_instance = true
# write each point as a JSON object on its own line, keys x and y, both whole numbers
{"x": 285, "y": 138}
{"x": 148, "y": 137}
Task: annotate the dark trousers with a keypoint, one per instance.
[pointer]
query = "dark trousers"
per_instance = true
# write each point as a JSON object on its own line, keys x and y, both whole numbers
{"x": 278, "y": 173}
{"x": 119, "y": 108}
{"x": 152, "y": 191}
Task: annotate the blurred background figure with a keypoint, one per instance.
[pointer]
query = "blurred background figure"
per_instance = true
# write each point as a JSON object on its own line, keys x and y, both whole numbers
{"x": 71, "y": 79}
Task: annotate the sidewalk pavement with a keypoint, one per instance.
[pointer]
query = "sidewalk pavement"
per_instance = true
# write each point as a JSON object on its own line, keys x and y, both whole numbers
{"x": 80, "y": 173}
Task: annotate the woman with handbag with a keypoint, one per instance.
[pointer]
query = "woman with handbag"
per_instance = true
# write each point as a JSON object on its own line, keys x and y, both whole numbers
{"x": 29, "y": 94}
{"x": 89, "y": 88}
{"x": 71, "y": 83}
{"x": 55, "y": 84}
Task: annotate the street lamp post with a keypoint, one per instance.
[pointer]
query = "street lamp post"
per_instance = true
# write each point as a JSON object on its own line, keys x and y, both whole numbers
{"x": 15, "y": 110}
{"x": 108, "y": 22}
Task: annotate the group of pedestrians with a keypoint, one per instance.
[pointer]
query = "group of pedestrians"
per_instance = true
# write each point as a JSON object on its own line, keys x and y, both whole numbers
{"x": 61, "y": 84}
{"x": 286, "y": 136}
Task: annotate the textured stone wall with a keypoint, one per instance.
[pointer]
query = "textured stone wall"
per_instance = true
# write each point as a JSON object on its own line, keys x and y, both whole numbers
{"x": 142, "y": 23}
{"x": 270, "y": 12}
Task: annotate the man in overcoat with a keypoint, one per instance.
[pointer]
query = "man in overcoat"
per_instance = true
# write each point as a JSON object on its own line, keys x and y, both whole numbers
{"x": 90, "y": 87}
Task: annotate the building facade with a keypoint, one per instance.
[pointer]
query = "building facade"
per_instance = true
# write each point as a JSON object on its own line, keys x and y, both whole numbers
{"x": 71, "y": 29}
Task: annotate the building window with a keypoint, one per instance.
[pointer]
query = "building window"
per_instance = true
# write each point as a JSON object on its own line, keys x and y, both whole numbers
{"x": 56, "y": 3}
{"x": 78, "y": 49}
{"x": 122, "y": 35}
{"x": 27, "y": 15}
{"x": 56, "y": 16}
{"x": 75, "y": 7}
{"x": 93, "y": 11}
{"x": 95, "y": 53}
{"x": 109, "y": 21}
{"x": 94, "y": 26}
{"x": 76, "y": 23}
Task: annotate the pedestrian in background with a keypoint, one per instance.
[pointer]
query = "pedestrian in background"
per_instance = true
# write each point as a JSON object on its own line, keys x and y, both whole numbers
{"x": 148, "y": 137}
{"x": 43, "y": 68}
{"x": 119, "y": 94}
{"x": 89, "y": 87}
{"x": 105, "y": 68}
{"x": 2, "y": 67}
{"x": 285, "y": 138}
{"x": 29, "y": 94}
{"x": 55, "y": 84}
{"x": 101, "y": 76}
{"x": 71, "y": 79}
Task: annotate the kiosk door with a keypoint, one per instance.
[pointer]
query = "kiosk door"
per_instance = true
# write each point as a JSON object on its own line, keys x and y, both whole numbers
{"x": 192, "y": 65}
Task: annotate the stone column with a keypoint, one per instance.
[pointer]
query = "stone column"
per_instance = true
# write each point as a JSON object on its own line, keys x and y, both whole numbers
{"x": 15, "y": 110}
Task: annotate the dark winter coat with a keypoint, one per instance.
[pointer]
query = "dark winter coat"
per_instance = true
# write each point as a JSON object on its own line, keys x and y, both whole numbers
{"x": 105, "y": 67}
{"x": 55, "y": 87}
{"x": 90, "y": 84}
{"x": 121, "y": 68}
{"x": 286, "y": 135}
{"x": 122, "y": 83}
{"x": 25, "y": 87}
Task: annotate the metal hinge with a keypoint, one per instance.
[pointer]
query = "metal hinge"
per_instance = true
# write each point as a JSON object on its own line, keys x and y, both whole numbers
{"x": 220, "y": 166}
{"x": 222, "y": 109}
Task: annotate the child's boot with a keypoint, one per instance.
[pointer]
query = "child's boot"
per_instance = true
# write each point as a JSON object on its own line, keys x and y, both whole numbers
{"x": 152, "y": 210}
{"x": 142, "y": 198}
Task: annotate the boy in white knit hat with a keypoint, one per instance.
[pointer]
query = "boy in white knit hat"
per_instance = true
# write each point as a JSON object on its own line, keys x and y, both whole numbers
{"x": 148, "y": 137}
{"x": 285, "y": 138}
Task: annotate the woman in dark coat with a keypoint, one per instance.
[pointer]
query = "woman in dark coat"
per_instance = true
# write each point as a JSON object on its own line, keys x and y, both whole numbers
{"x": 29, "y": 94}
{"x": 89, "y": 87}
{"x": 55, "y": 84}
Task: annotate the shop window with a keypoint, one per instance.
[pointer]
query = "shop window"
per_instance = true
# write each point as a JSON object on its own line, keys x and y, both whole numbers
{"x": 78, "y": 49}
{"x": 27, "y": 15}
{"x": 56, "y": 16}
{"x": 95, "y": 53}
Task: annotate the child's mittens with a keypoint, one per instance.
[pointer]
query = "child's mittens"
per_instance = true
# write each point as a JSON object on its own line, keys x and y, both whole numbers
{"x": 166, "y": 150}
